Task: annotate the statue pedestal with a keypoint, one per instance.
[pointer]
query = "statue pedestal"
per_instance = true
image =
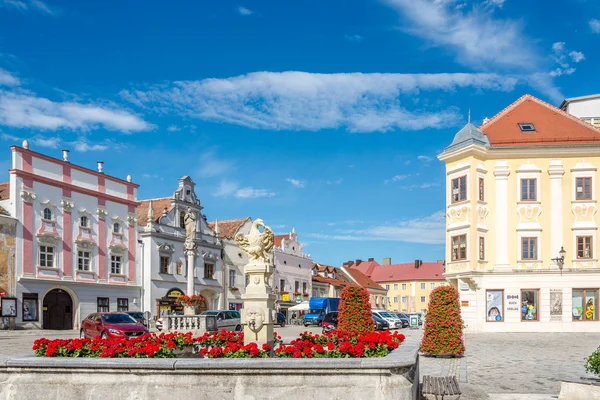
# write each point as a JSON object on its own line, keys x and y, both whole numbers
{"x": 258, "y": 314}
{"x": 189, "y": 310}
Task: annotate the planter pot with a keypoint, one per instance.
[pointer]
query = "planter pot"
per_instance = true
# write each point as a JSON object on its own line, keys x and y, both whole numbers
{"x": 579, "y": 391}
{"x": 189, "y": 310}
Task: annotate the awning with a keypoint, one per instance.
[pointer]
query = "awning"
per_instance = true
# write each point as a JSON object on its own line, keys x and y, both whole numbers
{"x": 299, "y": 307}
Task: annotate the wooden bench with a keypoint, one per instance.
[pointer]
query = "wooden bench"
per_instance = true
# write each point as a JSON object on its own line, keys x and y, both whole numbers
{"x": 440, "y": 386}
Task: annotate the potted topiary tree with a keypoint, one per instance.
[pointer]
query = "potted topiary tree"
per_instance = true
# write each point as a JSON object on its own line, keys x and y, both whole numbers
{"x": 355, "y": 311}
{"x": 443, "y": 334}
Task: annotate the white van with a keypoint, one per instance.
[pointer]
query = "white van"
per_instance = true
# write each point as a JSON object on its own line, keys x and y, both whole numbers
{"x": 393, "y": 320}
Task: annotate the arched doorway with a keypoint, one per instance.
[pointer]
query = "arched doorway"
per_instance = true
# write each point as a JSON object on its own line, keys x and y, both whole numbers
{"x": 57, "y": 310}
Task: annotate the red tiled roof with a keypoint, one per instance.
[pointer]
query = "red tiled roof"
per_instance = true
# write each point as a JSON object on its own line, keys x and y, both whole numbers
{"x": 4, "y": 190}
{"x": 229, "y": 227}
{"x": 278, "y": 239}
{"x": 553, "y": 126}
{"x": 3, "y": 211}
{"x": 158, "y": 205}
{"x": 366, "y": 267}
{"x": 334, "y": 282}
{"x": 428, "y": 271}
{"x": 362, "y": 279}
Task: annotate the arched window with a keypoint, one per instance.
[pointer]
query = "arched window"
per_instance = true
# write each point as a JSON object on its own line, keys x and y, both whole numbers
{"x": 182, "y": 219}
{"x": 47, "y": 213}
{"x": 116, "y": 228}
{"x": 83, "y": 221}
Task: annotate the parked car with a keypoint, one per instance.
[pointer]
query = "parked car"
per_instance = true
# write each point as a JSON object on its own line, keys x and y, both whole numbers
{"x": 330, "y": 321}
{"x": 280, "y": 319}
{"x": 393, "y": 320}
{"x": 139, "y": 316}
{"x": 380, "y": 323}
{"x": 118, "y": 325}
{"x": 403, "y": 317}
{"x": 228, "y": 320}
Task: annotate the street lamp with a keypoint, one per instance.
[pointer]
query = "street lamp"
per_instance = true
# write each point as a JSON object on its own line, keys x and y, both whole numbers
{"x": 560, "y": 261}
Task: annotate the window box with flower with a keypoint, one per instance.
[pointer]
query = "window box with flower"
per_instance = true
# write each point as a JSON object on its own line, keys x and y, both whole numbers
{"x": 297, "y": 294}
{"x": 305, "y": 294}
{"x": 189, "y": 301}
{"x": 234, "y": 289}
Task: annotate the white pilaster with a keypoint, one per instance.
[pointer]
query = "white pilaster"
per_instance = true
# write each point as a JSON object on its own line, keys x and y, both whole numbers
{"x": 501, "y": 173}
{"x": 556, "y": 172}
{"x": 191, "y": 255}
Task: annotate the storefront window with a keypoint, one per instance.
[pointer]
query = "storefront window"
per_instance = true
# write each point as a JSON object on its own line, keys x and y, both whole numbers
{"x": 494, "y": 306}
{"x": 530, "y": 305}
{"x": 584, "y": 304}
{"x": 30, "y": 307}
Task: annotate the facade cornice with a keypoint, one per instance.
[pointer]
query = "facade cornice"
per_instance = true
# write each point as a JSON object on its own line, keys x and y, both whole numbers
{"x": 179, "y": 239}
{"x": 33, "y": 278}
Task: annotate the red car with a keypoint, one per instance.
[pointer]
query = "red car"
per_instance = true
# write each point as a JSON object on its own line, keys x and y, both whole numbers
{"x": 118, "y": 325}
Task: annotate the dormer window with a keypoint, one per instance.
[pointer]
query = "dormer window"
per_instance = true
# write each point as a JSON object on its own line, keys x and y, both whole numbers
{"x": 315, "y": 272}
{"x": 326, "y": 274}
{"x": 83, "y": 221}
{"x": 333, "y": 275}
{"x": 116, "y": 228}
{"x": 526, "y": 127}
{"x": 47, "y": 213}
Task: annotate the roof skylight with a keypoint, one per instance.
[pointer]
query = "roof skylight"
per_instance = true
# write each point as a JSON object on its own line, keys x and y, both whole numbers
{"x": 526, "y": 127}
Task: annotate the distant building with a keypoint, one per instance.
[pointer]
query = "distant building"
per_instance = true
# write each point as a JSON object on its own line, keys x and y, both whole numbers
{"x": 522, "y": 218}
{"x": 8, "y": 226}
{"x": 378, "y": 294}
{"x": 328, "y": 281}
{"x": 586, "y": 108}
{"x": 76, "y": 240}
{"x": 408, "y": 285}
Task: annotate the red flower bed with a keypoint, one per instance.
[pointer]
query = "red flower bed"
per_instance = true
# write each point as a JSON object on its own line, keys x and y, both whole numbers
{"x": 225, "y": 344}
{"x": 443, "y": 333}
{"x": 355, "y": 310}
{"x": 189, "y": 301}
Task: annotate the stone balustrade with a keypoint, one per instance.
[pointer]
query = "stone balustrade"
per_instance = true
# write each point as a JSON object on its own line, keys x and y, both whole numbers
{"x": 185, "y": 323}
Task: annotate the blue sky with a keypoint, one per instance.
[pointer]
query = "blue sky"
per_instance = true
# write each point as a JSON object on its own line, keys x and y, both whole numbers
{"x": 326, "y": 115}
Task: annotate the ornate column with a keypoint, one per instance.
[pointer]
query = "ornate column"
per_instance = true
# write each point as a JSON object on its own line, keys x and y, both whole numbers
{"x": 67, "y": 205}
{"x": 190, "y": 253}
{"x": 258, "y": 314}
{"x": 190, "y": 246}
{"x": 28, "y": 196}
{"x": 556, "y": 172}
{"x": 501, "y": 173}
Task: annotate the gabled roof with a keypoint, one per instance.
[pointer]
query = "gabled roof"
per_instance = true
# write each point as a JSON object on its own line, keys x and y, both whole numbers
{"x": 278, "y": 239}
{"x": 427, "y": 271}
{"x": 553, "y": 126}
{"x": 158, "y": 205}
{"x": 366, "y": 267}
{"x": 580, "y": 98}
{"x": 229, "y": 227}
{"x": 467, "y": 136}
{"x": 4, "y": 190}
{"x": 362, "y": 279}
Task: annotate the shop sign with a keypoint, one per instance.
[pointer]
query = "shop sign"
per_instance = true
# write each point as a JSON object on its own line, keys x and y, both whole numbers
{"x": 463, "y": 285}
{"x": 174, "y": 293}
{"x": 285, "y": 297}
{"x": 464, "y": 303}
{"x": 298, "y": 299}
{"x": 512, "y": 302}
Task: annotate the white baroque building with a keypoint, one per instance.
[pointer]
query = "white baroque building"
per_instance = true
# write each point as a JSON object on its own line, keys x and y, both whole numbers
{"x": 165, "y": 269}
{"x": 75, "y": 246}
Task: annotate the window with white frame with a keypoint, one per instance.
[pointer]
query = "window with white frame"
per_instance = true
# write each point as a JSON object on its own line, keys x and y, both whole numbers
{"x": 529, "y": 249}
{"x": 404, "y": 286}
{"x": 116, "y": 228}
{"x": 584, "y": 247}
{"x": 423, "y": 299}
{"x": 395, "y": 299}
{"x": 232, "y": 273}
{"x": 83, "y": 221}
{"x": 116, "y": 265}
{"x": 443, "y": 284}
{"x": 404, "y": 299}
{"x": 84, "y": 259}
{"x": 47, "y": 213}
{"x": 422, "y": 285}
{"x": 432, "y": 285}
{"x": 528, "y": 189}
{"x": 459, "y": 189}
{"x": 459, "y": 247}
{"x": 395, "y": 286}
{"x": 165, "y": 262}
{"x": 47, "y": 256}
{"x": 583, "y": 189}
{"x": 387, "y": 287}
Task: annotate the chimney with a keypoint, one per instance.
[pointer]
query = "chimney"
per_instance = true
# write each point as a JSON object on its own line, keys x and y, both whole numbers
{"x": 387, "y": 261}
{"x": 100, "y": 166}
{"x": 371, "y": 259}
{"x": 358, "y": 261}
{"x": 65, "y": 155}
{"x": 350, "y": 263}
{"x": 418, "y": 263}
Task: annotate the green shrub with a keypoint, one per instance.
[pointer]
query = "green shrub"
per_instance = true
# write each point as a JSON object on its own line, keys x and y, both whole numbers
{"x": 355, "y": 313}
{"x": 443, "y": 326}
{"x": 592, "y": 363}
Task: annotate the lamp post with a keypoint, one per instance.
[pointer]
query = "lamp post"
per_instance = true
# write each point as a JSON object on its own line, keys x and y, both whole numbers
{"x": 560, "y": 260}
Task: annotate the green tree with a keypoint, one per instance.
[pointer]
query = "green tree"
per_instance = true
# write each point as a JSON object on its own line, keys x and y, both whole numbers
{"x": 355, "y": 310}
{"x": 444, "y": 326}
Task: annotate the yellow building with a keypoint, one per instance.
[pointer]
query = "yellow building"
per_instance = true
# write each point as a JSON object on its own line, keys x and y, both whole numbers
{"x": 408, "y": 285}
{"x": 521, "y": 193}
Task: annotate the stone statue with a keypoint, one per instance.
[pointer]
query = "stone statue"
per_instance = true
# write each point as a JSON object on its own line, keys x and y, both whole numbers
{"x": 255, "y": 317}
{"x": 190, "y": 225}
{"x": 257, "y": 245}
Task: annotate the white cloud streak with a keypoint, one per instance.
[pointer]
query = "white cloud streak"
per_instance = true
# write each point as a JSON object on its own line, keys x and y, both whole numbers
{"x": 561, "y": 56}
{"x": 213, "y": 165}
{"x": 22, "y": 109}
{"x": 27, "y": 5}
{"x": 308, "y": 101}
{"x": 244, "y": 11}
{"x": 7, "y": 79}
{"x": 427, "y": 230}
{"x": 396, "y": 178}
{"x": 424, "y": 158}
{"x": 595, "y": 25}
{"x": 296, "y": 182}
{"x": 354, "y": 38}
{"x": 228, "y": 188}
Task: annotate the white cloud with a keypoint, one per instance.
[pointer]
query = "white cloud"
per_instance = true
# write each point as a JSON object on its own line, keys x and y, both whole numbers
{"x": 11, "y": 138}
{"x": 7, "y": 79}
{"x": 225, "y": 189}
{"x": 212, "y": 165}
{"x": 493, "y": 3}
{"x": 354, "y": 38}
{"x": 244, "y": 11}
{"x": 306, "y": 101}
{"x": 27, "y": 5}
{"x": 473, "y": 33}
{"x": 25, "y": 110}
{"x": 396, "y": 178}
{"x": 151, "y": 176}
{"x": 250, "y": 193}
{"x": 576, "y": 56}
{"x": 595, "y": 25}
{"x": 296, "y": 182}
{"x": 427, "y": 230}
{"x": 51, "y": 143}
{"x": 424, "y": 158}
{"x": 335, "y": 182}
{"x": 84, "y": 146}
{"x": 173, "y": 128}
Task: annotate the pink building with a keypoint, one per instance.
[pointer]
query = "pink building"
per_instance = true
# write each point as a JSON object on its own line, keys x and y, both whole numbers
{"x": 76, "y": 240}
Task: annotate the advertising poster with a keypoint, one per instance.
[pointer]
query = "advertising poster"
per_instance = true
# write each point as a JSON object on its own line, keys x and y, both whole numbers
{"x": 9, "y": 306}
{"x": 555, "y": 304}
{"x": 494, "y": 312}
{"x": 30, "y": 310}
